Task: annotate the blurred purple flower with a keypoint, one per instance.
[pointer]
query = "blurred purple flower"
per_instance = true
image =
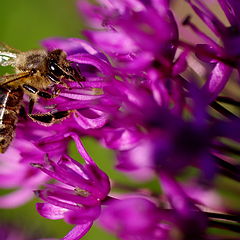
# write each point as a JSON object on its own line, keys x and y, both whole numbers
{"x": 78, "y": 195}
{"x": 83, "y": 99}
{"x": 33, "y": 141}
{"x": 15, "y": 171}
{"x": 135, "y": 218}
{"x": 150, "y": 130}
{"x": 190, "y": 219}
{"x": 224, "y": 53}
{"x": 8, "y": 232}
{"x": 140, "y": 218}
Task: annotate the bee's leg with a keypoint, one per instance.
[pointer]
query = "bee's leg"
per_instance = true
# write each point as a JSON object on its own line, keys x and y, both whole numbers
{"x": 30, "y": 105}
{"x": 56, "y": 80}
{"x": 34, "y": 90}
{"x": 80, "y": 77}
{"x": 76, "y": 74}
{"x": 47, "y": 119}
{"x": 22, "y": 112}
{"x": 52, "y": 78}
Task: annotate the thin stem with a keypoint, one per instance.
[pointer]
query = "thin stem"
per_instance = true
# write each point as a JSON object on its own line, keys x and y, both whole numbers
{"x": 223, "y": 216}
{"x": 225, "y": 225}
{"x": 224, "y": 164}
{"x": 225, "y": 112}
{"x": 227, "y": 169}
{"x": 227, "y": 149}
{"x": 230, "y": 62}
{"x": 230, "y": 175}
{"x": 228, "y": 100}
{"x": 200, "y": 33}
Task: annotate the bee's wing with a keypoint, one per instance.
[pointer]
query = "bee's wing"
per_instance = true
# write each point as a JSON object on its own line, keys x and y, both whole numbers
{"x": 7, "y": 55}
{"x": 6, "y": 79}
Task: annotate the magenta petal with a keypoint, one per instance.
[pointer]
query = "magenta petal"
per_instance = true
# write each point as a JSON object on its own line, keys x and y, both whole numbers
{"x": 131, "y": 216}
{"x": 15, "y": 199}
{"x": 12, "y": 180}
{"x": 208, "y": 17}
{"x": 121, "y": 139}
{"x": 53, "y": 143}
{"x": 92, "y": 60}
{"x": 50, "y": 211}
{"x": 232, "y": 10}
{"x": 111, "y": 41}
{"x": 79, "y": 231}
{"x": 69, "y": 45}
{"x": 86, "y": 121}
{"x": 83, "y": 215}
{"x": 217, "y": 81}
{"x": 80, "y": 148}
{"x": 81, "y": 97}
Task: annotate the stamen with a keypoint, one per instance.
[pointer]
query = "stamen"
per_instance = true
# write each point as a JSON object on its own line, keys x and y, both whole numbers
{"x": 81, "y": 192}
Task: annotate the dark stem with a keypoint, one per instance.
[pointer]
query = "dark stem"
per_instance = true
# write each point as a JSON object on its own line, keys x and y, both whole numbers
{"x": 230, "y": 62}
{"x": 227, "y": 149}
{"x": 228, "y": 100}
{"x": 225, "y": 225}
{"x": 228, "y": 169}
{"x": 223, "y": 216}
{"x": 225, "y": 112}
{"x": 228, "y": 174}
{"x": 227, "y": 165}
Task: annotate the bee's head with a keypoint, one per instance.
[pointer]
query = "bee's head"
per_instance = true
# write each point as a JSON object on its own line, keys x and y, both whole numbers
{"x": 60, "y": 67}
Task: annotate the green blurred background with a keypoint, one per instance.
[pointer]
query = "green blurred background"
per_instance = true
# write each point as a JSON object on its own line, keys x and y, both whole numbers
{"x": 23, "y": 24}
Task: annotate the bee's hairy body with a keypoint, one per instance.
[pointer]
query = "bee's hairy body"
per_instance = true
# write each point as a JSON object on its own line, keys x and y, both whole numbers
{"x": 36, "y": 71}
{"x": 36, "y": 63}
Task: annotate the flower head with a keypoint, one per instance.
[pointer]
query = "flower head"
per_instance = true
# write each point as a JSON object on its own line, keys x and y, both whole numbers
{"x": 78, "y": 195}
{"x": 134, "y": 218}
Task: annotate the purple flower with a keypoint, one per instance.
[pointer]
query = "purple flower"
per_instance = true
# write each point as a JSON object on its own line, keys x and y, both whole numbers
{"x": 15, "y": 172}
{"x": 78, "y": 194}
{"x": 223, "y": 55}
{"x": 135, "y": 218}
{"x": 190, "y": 219}
{"x": 150, "y": 130}
{"x": 8, "y": 232}
{"x": 141, "y": 218}
{"x": 33, "y": 141}
{"x": 82, "y": 99}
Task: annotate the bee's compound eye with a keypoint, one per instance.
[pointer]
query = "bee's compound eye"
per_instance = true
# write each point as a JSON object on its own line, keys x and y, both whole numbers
{"x": 55, "y": 69}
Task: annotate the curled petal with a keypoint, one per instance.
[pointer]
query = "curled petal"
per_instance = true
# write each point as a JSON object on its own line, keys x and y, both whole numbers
{"x": 50, "y": 211}
{"x": 16, "y": 199}
{"x": 111, "y": 42}
{"x": 69, "y": 45}
{"x": 217, "y": 81}
{"x": 79, "y": 231}
{"x": 130, "y": 217}
{"x": 82, "y": 58}
{"x": 121, "y": 139}
{"x": 90, "y": 119}
{"x": 82, "y": 216}
{"x": 53, "y": 143}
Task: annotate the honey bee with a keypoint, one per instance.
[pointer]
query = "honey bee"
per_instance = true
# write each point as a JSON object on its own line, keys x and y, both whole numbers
{"x": 36, "y": 71}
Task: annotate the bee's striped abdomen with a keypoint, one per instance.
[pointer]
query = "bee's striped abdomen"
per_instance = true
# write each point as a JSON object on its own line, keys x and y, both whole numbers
{"x": 10, "y": 103}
